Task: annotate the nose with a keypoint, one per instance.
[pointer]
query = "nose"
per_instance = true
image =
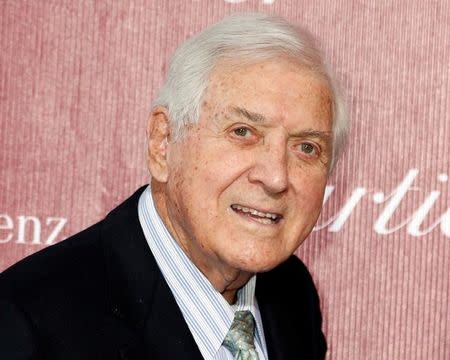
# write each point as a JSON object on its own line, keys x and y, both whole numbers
{"x": 270, "y": 168}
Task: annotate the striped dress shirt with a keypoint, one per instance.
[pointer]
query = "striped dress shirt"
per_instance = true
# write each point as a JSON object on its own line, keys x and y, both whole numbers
{"x": 207, "y": 314}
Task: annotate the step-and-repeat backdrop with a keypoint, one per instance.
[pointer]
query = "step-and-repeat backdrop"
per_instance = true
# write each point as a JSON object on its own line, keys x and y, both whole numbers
{"x": 77, "y": 79}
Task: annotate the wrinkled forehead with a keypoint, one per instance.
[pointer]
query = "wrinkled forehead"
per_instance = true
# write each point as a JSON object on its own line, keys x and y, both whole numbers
{"x": 227, "y": 73}
{"x": 232, "y": 83}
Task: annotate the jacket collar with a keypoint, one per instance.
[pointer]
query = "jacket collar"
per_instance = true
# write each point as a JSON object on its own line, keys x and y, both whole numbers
{"x": 279, "y": 326}
{"x": 139, "y": 296}
{"x": 290, "y": 312}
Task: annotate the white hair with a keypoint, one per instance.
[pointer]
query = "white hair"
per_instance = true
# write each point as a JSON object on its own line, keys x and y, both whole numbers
{"x": 243, "y": 39}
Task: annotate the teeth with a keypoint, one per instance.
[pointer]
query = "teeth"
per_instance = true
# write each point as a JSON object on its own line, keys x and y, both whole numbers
{"x": 264, "y": 221}
{"x": 260, "y": 214}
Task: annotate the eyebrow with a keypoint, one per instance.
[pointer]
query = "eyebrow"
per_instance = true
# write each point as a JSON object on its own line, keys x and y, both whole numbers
{"x": 252, "y": 116}
{"x": 311, "y": 133}
{"x": 259, "y": 118}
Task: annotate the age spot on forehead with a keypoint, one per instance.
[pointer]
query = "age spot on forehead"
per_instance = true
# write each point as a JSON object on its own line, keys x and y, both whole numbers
{"x": 325, "y": 102}
{"x": 219, "y": 117}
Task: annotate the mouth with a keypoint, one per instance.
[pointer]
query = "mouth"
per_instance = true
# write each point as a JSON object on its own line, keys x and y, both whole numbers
{"x": 266, "y": 218}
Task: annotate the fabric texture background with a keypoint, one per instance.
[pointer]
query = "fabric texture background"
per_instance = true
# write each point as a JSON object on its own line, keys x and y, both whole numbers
{"x": 77, "y": 79}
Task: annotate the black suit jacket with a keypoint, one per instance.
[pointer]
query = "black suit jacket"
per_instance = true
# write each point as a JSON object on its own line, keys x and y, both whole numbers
{"x": 101, "y": 295}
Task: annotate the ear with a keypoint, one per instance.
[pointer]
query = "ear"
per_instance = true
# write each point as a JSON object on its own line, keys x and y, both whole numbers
{"x": 158, "y": 132}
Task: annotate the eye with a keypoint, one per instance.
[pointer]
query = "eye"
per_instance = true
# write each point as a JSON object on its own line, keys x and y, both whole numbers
{"x": 308, "y": 149}
{"x": 242, "y": 132}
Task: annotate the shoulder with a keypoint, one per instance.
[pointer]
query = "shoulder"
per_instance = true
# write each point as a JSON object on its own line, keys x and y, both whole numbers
{"x": 60, "y": 297}
{"x": 292, "y": 276}
{"x": 53, "y": 271}
{"x": 73, "y": 270}
{"x": 289, "y": 302}
{"x": 41, "y": 291}
{"x": 77, "y": 262}
{"x": 290, "y": 286}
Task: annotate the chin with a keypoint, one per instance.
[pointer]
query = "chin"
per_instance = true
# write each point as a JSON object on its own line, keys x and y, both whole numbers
{"x": 258, "y": 265}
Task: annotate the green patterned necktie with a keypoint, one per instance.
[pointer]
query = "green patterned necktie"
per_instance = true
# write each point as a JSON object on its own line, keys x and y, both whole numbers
{"x": 239, "y": 339}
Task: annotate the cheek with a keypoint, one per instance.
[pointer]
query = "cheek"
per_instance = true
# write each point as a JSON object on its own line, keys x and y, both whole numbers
{"x": 316, "y": 189}
{"x": 309, "y": 192}
{"x": 222, "y": 165}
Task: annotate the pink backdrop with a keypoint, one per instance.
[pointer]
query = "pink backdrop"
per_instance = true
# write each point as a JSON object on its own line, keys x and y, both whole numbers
{"x": 76, "y": 83}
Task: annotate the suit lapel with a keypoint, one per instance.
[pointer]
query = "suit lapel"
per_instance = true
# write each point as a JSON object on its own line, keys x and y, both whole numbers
{"x": 290, "y": 312}
{"x": 139, "y": 296}
{"x": 279, "y": 328}
{"x": 167, "y": 335}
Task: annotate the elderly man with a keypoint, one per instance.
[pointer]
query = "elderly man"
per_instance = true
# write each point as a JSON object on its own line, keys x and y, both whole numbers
{"x": 199, "y": 264}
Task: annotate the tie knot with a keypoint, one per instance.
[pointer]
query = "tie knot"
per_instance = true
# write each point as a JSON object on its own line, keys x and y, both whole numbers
{"x": 239, "y": 339}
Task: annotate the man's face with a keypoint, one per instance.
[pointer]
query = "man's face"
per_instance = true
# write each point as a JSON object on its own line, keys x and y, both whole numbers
{"x": 245, "y": 184}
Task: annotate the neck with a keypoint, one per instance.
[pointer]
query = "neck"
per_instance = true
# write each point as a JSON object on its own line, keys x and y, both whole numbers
{"x": 224, "y": 279}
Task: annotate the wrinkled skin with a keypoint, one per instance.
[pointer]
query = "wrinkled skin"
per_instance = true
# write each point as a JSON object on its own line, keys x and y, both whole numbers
{"x": 263, "y": 142}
